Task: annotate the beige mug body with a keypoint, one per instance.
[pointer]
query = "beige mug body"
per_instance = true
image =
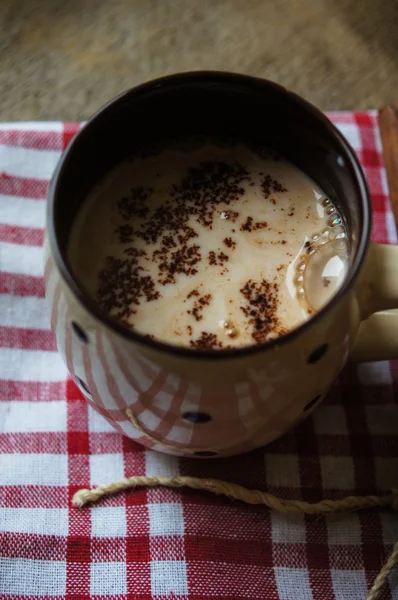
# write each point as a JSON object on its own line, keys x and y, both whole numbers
{"x": 223, "y": 402}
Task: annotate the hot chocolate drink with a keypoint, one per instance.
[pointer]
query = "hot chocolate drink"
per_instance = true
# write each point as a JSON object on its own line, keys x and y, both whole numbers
{"x": 209, "y": 244}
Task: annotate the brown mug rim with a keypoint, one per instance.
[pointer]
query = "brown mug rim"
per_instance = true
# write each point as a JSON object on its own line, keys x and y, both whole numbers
{"x": 133, "y": 336}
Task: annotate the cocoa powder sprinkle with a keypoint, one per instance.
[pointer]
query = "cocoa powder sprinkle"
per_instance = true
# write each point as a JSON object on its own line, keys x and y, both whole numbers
{"x": 261, "y": 225}
{"x": 122, "y": 286}
{"x": 134, "y": 205}
{"x": 196, "y": 197}
{"x": 230, "y": 243}
{"x": 198, "y": 306}
{"x": 270, "y": 185}
{"x": 260, "y": 308}
{"x": 247, "y": 225}
{"x": 231, "y": 215}
{"x": 206, "y": 341}
{"x": 217, "y": 259}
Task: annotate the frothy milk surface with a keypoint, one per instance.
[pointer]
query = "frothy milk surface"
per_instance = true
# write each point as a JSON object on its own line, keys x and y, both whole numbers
{"x": 209, "y": 245}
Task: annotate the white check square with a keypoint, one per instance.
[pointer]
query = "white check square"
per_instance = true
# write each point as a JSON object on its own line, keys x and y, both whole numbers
{"x": 382, "y": 419}
{"x": 293, "y": 583}
{"x": 160, "y": 464}
{"x": 349, "y": 584}
{"x": 108, "y": 521}
{"x": 25, "y": 417}
{"x": 51, "y": 521}
{"x": 105, "y": 468}
{"x": 31, "y": 577}
{"x": 389, "y": 525}
{"x": 386, "y": 472}
{"x": 344, "y": 529}
{"x": 375, "y": 373}
{"x": 352, "y": 133}
{"x": 330, "y": 420}
{"x": 282, "y": 470}
{"x": 288, "y": 529}
{"x": 169, "y": 577}
{"x": 166, "y": 519}
{"x": 337, "y": 472}
{"x": 33, "y": 469}
{"x": 108, "y": 578}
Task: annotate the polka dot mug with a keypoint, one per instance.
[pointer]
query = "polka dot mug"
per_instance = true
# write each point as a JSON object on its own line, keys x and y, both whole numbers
{"x": 214, "y": 403}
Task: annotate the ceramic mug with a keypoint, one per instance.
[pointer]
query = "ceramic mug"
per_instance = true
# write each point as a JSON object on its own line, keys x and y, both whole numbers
{"x": 203, "y": 403}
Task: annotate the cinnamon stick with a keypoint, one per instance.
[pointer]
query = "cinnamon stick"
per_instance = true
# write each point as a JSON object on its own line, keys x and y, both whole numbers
{"x": 388, "y": 124}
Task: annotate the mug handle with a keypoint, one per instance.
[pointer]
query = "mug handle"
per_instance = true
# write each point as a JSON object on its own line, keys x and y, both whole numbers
{"x": 377, "y": 297}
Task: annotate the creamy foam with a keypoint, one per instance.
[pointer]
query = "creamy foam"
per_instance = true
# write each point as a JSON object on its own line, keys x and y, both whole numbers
{"x": 209, "y": 245}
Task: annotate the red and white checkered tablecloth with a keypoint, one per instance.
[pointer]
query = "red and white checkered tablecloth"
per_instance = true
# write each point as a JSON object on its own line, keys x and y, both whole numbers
{"x": 163, "y": 544}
